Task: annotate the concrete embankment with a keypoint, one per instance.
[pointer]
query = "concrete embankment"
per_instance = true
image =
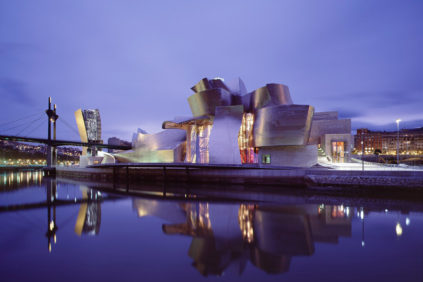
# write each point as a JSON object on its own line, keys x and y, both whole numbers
{"x": 323, "y": 179}
{"x": 188, "y": 174}
{"x": 402, "y": 180}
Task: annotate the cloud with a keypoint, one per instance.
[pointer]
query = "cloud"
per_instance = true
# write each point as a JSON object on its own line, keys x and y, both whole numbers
{"x": 13, "y": 90}
{"x": 348, "y": 113}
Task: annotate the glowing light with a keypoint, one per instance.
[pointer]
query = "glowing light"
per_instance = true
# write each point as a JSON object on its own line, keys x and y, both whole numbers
{"x": 362, "y": 214}
{"x": 386, "y": 210}
{"x": 51, "y": 225}
{"x": 362, "y": 243}
{"x": 49, "y": 247}
{"x": 54, "y": 238}
{"x": 407, "y": 221}
{"x": 398, "y": 229}
{"x": 347, "y": 211}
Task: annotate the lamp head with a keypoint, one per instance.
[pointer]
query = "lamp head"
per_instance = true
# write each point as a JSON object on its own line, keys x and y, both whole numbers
{"x": 398, "y": 121}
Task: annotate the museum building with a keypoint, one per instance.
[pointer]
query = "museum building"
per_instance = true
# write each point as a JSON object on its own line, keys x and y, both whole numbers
{"x": 230, "y": 125}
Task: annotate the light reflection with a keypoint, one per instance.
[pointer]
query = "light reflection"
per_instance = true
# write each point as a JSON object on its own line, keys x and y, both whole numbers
{"x": 398, "y": 229}
{"x": 267, "y": 236}
{"x": 16, "y": 180}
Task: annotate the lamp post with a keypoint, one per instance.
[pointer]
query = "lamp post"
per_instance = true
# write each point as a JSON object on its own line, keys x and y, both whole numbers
{"x": 398, "y": 121}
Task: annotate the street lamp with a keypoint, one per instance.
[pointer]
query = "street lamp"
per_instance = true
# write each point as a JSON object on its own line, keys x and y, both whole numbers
{"x": 398, "y": 121}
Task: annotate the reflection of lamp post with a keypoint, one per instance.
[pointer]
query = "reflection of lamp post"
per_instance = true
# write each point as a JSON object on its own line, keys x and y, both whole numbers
{"x": 398, "y": 121}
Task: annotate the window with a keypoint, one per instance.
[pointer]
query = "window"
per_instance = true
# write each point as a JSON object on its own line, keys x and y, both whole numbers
{"x": 266, "y": 159}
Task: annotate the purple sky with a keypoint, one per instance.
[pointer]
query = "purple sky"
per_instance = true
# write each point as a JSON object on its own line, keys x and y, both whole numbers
{"x": 136, "y": 60}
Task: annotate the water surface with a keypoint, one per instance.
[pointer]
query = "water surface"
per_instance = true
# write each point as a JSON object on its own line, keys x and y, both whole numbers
{"x": 67, "y": 231}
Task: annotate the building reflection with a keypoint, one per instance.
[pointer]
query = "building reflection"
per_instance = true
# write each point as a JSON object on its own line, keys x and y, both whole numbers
{"x": 226, "y": 237}
{"x": 51, "y": 193}
{"x": 89, "y": 215}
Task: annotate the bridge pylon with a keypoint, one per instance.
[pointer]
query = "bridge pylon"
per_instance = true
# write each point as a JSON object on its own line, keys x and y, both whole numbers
{"x": 51, "y": 150}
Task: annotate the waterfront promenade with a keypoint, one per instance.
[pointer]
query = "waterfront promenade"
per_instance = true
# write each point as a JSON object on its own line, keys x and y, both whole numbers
{"x": 337, "y": 180}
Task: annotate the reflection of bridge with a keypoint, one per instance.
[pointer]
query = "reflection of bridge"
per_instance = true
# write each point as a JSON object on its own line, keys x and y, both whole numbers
{"x": 89, "y": 216}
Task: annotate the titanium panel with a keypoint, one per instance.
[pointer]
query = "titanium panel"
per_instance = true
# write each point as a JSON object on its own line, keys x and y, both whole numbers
{"x": 256, "y": 99}
{"x": 164, "y": 147}
{"x": 218, "y": 83}
{"x": 283, "y": 125}
{"x": 202, "y": 85}
{"x": 81, "y": 126}
{"x": 322, "y": 127}
{"x": 237, "y": 87}
{"x": 325, "y": 116}
{"x": 145, "y": 156}
{"x": 279, "y": 94}
{"x": 185, "y": 122}
{"x": 297, "y": 156}
{"x": 223, "y": 143}
{"x": 167, "y": 139}
{"x": 205, "y": 102}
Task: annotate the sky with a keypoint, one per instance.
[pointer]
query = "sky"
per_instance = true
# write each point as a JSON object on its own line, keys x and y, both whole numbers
{"x": 137, "y": 60}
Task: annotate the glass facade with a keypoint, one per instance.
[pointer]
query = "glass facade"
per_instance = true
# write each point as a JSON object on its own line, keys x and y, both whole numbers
{"x": 245, "y": 140}
{"x": 198, "y": 136}
{"x": 338, "y": 151}
{"x": 198, "y": 143}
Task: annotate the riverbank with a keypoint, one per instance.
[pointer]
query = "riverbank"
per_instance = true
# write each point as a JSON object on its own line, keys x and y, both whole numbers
{"x": 313, "y": 178}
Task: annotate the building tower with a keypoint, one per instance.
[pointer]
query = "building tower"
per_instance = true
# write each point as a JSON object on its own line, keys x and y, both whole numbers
{"x": 89, "y": 127}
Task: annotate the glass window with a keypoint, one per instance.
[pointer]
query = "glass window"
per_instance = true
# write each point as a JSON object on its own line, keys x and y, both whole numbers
{"x": 266, "y": 159}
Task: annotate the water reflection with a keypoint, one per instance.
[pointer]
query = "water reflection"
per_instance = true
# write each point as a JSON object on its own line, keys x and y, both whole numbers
{"x": 223, "y": 237}
{"x": 89, "y": 216}
{"x": 10, "y": 181}
{"x": 266, "y": 235}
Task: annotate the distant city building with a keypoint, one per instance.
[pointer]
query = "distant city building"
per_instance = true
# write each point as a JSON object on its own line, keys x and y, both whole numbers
{"x": 232, "y": 126}
{"x": 385, "y": 142}
{"x": 18, "y": 153}
{"x": 89, "y": 126}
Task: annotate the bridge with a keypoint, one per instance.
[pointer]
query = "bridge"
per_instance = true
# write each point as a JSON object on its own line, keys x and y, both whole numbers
{"x": 57, "y": 143}
{"x": 51, "y": 143}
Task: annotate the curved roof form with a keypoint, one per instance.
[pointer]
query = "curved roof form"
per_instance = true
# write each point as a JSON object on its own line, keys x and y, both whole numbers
{"x": 213, "y": 93}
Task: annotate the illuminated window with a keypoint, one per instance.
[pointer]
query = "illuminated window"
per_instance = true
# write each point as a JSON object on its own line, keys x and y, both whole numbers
{"x": 245, "y": 140}
{"x": 266, "y": 159}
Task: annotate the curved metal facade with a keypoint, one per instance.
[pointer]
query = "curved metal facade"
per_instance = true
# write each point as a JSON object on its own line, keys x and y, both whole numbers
{"x": 233, "y": 126}
{"x": 283, "y": 125}
{"x": 223, "y": 144}
{"x": 205, "y": 102}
